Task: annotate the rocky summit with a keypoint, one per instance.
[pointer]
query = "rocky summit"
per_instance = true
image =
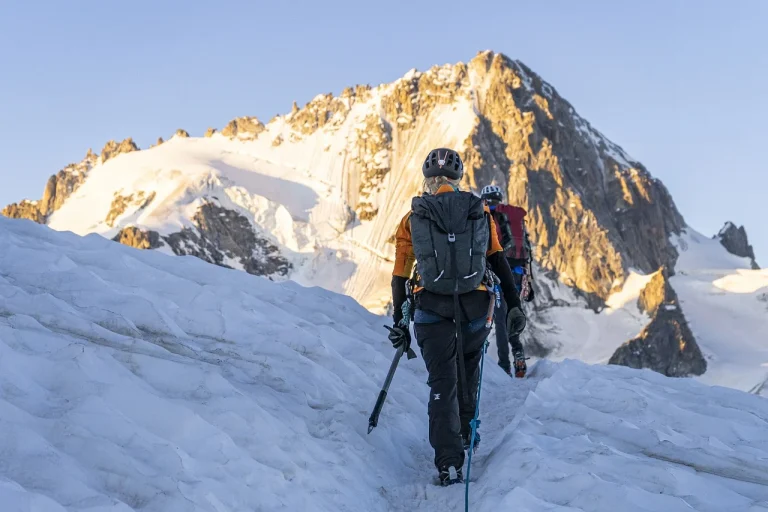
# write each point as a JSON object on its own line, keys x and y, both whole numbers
{"x": 315, "y": 195}
{"x": 735, "y": 240}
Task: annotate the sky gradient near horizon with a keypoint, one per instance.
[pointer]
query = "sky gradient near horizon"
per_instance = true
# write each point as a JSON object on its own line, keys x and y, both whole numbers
{"x": 682, "y": 86}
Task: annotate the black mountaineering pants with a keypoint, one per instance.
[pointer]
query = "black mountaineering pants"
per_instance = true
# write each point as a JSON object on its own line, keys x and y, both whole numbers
{"x": 448, "y": 417}
{"x": 503, "y": 342}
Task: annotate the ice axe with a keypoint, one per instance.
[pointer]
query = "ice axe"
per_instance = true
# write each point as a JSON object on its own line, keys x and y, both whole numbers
{"x": 374, "y": 419}
{"x": 405, "y": 322}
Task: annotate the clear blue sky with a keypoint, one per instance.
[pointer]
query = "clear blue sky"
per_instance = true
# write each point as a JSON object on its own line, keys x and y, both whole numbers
{"x": 682, "y": 85}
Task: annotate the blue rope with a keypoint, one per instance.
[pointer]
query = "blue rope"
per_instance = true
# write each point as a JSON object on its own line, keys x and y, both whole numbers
{"x": 474, "y": 423}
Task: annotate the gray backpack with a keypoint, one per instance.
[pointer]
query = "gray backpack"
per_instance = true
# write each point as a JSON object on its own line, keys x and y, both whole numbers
{"x": 450, "y": 236}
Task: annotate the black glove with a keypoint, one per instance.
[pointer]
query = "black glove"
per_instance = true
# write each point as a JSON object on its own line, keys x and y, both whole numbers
{"x": 399, "y": 336}
{"x": 515, "y": 322}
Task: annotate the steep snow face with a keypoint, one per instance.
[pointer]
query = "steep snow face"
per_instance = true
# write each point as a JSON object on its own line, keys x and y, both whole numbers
{"x": 135, "y": 381}
{"x": 726, "y": 304}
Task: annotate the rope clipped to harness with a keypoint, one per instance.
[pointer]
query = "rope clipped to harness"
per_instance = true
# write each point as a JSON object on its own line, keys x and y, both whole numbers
{"x": 474, "y": 423}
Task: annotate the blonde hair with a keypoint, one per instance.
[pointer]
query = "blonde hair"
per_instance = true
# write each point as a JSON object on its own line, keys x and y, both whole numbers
{"x": 432, "y": 184}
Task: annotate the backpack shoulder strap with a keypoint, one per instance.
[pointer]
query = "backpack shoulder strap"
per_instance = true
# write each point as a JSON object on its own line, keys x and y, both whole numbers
{"x": 491, "y": 228}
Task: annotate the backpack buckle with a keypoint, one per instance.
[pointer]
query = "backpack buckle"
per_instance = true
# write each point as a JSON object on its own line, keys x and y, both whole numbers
{"x": 451, "y": 237}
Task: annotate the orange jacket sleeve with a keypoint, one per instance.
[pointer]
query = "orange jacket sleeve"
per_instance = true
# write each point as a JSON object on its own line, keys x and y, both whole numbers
{"x": 404, "y": 257}
{"x": 494, "y": 245}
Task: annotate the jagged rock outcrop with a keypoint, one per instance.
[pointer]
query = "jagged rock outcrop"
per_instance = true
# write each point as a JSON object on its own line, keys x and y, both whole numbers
{"x": 223, "y": 236}
{"x": 121, "y": 203}
{"x": 182, "y": 133}
{"x": 160, "y": 140}
{"x": 57, "y": 189}
{"x": 138, "y": 238}
{"x": 663, "y": 346}
{"x": 419, "y": 93}
{"x": 666, "y": 345}
{"x": 655, "y": 293}
{"x": 209, "y": 132}
{"x": 736, "y": 242}
{"x": 372, "y": 144}
{"x": 24, "y": 210}
{"x": 323, "y": 110}
{"x": 593, "y": 212}
{"x": 358, "y": 93}
{"x": 111, "y": 149}
{"x": 243, "y": 127}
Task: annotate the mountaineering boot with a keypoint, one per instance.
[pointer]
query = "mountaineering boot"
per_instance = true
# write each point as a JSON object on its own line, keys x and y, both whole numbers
{"x": 520, "y": 366}
{"x": 468, "y": 439}
{"x": 449, "y": 475}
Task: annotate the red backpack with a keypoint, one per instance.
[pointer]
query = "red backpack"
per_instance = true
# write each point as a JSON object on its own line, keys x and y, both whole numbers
{"x": 510, "y": 226}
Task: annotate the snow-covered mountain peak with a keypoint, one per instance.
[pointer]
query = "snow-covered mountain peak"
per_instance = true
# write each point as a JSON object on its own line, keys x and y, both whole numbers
{"x": 315, "y": 195}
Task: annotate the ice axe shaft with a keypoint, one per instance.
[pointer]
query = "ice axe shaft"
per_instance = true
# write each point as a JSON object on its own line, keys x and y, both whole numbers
{"x": 374, "y": 419}
{"x": 405, "y": 323}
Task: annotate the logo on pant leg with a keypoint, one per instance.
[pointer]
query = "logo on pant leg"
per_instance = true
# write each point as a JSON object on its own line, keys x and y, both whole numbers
{"x": 436, "y": 396}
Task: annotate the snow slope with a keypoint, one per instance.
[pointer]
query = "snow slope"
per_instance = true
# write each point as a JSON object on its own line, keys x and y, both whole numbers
{"x": 582, "y": 334}
{"x": 131, "y": 380}
{"x": 301, "y": 213}
{"x": 726, "y": 304}
{"x": 569, "y": 329}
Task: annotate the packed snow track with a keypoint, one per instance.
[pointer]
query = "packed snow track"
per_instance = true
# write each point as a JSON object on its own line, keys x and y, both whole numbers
{"x": 133, "y": 380}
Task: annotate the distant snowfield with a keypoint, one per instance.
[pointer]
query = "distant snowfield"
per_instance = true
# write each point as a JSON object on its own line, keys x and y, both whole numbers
{"x": 726, "y": 305}
{"x": 727, "y": 308}
{"x": 131, "y": 380}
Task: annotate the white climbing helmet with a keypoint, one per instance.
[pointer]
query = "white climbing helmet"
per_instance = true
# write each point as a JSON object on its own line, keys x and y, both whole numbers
{"x": 491, "y": 193}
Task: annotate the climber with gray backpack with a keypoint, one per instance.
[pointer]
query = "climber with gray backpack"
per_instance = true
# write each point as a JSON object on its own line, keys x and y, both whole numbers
{"x": 460, "y": 269}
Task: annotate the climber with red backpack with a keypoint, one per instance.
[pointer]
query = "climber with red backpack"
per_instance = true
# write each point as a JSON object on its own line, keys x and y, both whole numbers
{"x": 513, "y": 236}
{"x": 460, "y": 269}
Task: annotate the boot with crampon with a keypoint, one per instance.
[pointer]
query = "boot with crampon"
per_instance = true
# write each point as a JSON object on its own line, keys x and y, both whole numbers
{"x": 519, "y": 364}
{"x": 450, "y": 475}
